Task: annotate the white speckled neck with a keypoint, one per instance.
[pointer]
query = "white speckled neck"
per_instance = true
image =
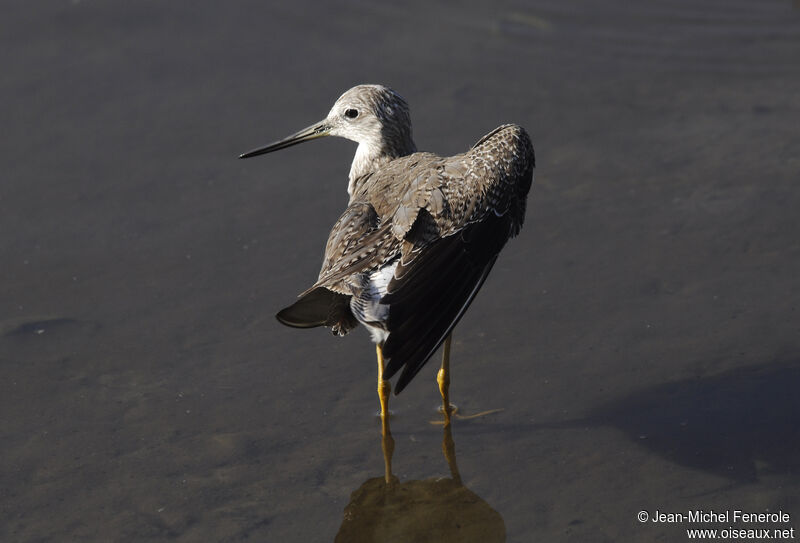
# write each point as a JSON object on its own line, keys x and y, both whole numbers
{"x": 369, "y": 158}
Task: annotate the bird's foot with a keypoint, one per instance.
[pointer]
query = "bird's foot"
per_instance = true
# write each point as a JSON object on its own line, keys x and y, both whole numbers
{"x": 454, "y": 413}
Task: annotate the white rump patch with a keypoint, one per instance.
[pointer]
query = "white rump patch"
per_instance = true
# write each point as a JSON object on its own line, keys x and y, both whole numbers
{"x": 367, "y": 307}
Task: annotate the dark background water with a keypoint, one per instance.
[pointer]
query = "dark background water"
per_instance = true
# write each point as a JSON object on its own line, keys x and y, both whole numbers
{"x": 642, "y": 334}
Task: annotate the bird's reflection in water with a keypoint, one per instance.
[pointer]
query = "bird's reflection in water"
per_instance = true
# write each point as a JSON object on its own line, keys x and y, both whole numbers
{"x": 439, "y": 509}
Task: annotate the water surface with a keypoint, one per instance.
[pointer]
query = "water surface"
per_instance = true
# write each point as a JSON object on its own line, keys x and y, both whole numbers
{"x": 641, "y": 334}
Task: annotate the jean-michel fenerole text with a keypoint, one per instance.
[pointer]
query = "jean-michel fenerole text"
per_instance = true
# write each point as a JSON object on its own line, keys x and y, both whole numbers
{"x": 727, "y": 516}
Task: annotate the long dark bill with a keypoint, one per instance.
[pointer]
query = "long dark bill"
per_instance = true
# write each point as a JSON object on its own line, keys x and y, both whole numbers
{"x": 312, "y": 132}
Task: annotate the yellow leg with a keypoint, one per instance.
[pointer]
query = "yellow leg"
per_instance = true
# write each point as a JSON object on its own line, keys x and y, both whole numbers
{"x": 443, "y": 378}
{"x": 387, "y": 442}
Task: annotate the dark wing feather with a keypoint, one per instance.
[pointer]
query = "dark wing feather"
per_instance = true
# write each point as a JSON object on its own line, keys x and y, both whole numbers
{"x": 320, "y": 307}
{"x": 430, "y": 294}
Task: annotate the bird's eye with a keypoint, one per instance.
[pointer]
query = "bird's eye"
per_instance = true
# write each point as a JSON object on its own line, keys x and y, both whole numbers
{"x": 351, "y": 113}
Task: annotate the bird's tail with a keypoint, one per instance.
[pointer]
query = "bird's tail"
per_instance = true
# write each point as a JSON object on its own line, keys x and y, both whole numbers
{"x": 320, "y": 307}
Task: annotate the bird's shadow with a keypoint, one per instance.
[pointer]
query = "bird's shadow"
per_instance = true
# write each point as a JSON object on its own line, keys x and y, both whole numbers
{"x": 741, "y": 424}
{"x": 439, "y": 509}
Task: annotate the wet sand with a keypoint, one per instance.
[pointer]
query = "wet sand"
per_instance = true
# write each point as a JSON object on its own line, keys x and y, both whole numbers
{"x": 642, "y": 334}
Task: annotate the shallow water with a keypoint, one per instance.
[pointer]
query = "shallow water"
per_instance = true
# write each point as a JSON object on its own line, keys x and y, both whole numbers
{"x": 641, "y": 335}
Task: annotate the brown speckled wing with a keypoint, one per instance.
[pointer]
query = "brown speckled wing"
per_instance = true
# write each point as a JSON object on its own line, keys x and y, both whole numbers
{"x": 359, "y": 241}
{"x": 476, "y": 205}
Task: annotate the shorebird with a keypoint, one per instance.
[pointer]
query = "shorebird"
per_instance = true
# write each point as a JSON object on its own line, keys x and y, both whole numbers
{"x": 418, "y": 238}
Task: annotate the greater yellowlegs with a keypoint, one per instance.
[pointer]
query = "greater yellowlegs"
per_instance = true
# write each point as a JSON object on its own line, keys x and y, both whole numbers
{"x": 418, "y": 238}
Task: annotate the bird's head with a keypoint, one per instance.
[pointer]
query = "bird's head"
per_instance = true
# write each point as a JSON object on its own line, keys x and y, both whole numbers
{"x": 371, "y": 115}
